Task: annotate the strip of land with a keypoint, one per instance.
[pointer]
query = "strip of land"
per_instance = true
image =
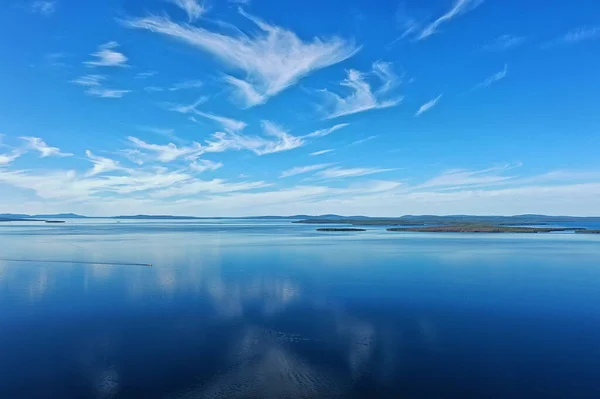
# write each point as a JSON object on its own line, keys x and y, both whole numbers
{"x": 483, "y": 229}
{"x": 340, "y": 229}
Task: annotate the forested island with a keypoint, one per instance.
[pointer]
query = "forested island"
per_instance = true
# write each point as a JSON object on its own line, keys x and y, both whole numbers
{"x": 482, "y": 229}
{"x": 340, "y": 229}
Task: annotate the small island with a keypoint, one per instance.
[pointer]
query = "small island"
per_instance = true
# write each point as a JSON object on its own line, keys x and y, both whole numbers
{"x": 483, "y": 229}
{"x": 55, "y": 221}
{"x": 340, "y": 229}
{"x": 584, "y": 231}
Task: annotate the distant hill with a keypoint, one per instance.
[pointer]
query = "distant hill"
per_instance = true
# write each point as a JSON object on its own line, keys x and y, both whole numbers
{"x": 59, "y": 216}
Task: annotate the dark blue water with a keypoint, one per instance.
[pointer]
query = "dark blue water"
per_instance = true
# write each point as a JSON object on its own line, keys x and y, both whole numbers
{"x": 247, "y": 309}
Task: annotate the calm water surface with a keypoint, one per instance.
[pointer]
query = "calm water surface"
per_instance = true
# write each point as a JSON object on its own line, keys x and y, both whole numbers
{"x": 251, "y": 309}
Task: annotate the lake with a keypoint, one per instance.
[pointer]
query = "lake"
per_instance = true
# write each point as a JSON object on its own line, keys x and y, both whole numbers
{"x": 270, "y": 309}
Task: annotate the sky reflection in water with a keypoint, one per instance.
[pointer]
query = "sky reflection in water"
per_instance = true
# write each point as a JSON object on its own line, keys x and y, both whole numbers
{"x": 273, "y": 310}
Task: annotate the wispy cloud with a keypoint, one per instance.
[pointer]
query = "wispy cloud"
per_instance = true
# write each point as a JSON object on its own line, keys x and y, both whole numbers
{"x": 272, "y": 59}
{"x": 362, "y": 98}
{"x": 340, "y": 173}
{"x": 102, "y": 164}
{"x": 464, "y": 178}
{"x": 229, "y": 124}
{"x": 494, "y": 78}
{"x": 107, "y": 56}
{"x": 283, "y": 140}
{"x": 103, "y": 92}
{"x": 193, "y": 8}
{"x": 326, "y": 132}
{"x": 169, "y": 152}
{"x": 203, "y": 165}
{"x": 5, "y": 159}
{"x": 188, "y": 84}
{"x": 165, "y": 132}
{"x": 504, "y": 42}
{"x": 89, "y": 80}
{"x": 321, "y": 152}
{"x": 459, "y": 7}
{"x": 37, "y": 144}
{"x": 153, "y": 89}
{"x": 303, "y": 169}
{"x": 45, "y": 8}
{"x": 576, "y": 36}
{"x": 276, "y": 139}
{"x": 95, "y": 89}
{"x": 364, "y": 140}
{"x": 145, "y": 75}
{"x": 428, "y": 105}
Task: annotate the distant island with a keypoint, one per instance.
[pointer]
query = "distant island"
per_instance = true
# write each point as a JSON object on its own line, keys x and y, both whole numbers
{"x": 482, "y": 229}
{"x": 340, "y": 229}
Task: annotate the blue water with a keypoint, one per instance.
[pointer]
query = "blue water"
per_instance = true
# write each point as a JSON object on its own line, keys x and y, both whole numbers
{"x": 270, "y": 309}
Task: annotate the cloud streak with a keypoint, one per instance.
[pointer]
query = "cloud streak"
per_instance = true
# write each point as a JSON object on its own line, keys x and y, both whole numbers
{"x": 46, "y": 8}
{"x": 303, "y": 169}
{"x": 504, "y": 42}
{"x": 460, "y": 7}
{"x": 107, "y": 56}
{"x": 341, "y": 173}
{"x": 270, "y": 59}
{"x": 493, "y": 79}
{"x": 428, "y": 105}
{"x": 5, "y": 159}
{"x": 576, "y": 36}
{"x": 39, "y": 145}
{"x": 322, "y": 152}
{"x": 362, "y": 97}
{"x": 192, "y": 8}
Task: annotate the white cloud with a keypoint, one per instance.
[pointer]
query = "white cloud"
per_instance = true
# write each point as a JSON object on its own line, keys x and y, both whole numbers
{"x": 194, "y": 187}
{"x": 106, "y": 56}
{"x": 303, "y": 169}
{"x": 5, "y": 159}
{"x": 389, "y": 80}
{"x": 169, "y": 152}
{"x": 339, "y": 173}
{"x": 103, "y": 92}
{"x": 576, "y": 36}
{"x": 145, "y": 75}
{"x": 321, "y": 152}
{"x": 276, "y": 140}
{"x": 326, "y": 132}
{"x": 37, "y": 144}
{"x": 95, "y": 89}
{"x": 101, "y": 164}
{"x": 89, "y": 80}
{"x": 364, "y": 140}
{"x": 228, "y": 124}
{"x": 494, "y": 78}
{"x": 45, "y": 8}
{"x": 193, "y": 8}
{"x": 428, "y": 105}
{"x": 460, "y": 178}
{"x": 362, "y": 97}
{"x": 504, "y": 42}
{"x": 133, "y": 155}
{"x": 459, "y": 7}
{"x": 186, "y": 85}
{"x": 153, "y": 89}
{"x": 283, "y": 140}
{"x": 271, "y": 59}
{"x": 203, "y": 165}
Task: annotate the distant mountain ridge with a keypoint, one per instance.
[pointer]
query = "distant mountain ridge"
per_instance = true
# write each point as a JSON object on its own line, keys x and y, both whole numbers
{"x": 332, "y": 218}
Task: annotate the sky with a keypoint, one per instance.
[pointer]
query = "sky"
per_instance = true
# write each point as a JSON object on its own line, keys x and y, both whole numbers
{"x": 268, "y": 107}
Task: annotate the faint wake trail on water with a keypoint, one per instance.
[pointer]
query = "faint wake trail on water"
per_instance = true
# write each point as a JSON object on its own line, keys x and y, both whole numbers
{"x": 76, "y": 261}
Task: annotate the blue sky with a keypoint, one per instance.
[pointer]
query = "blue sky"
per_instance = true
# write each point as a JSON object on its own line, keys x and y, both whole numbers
{"x": 231, "y": 108}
